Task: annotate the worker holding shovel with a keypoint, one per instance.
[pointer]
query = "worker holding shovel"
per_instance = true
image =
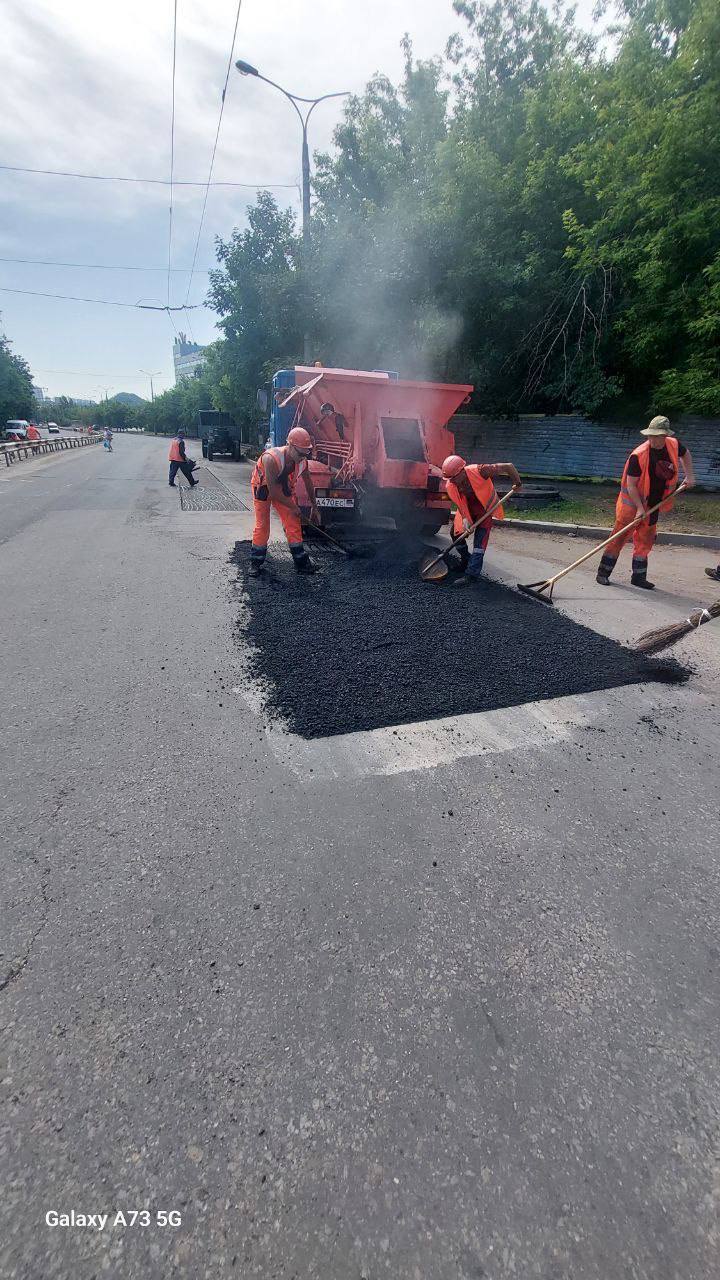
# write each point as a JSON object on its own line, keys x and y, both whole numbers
{"x": 649, "y": 478}
{"x": 472, "y": 490}
{"x": 273, "y": 485}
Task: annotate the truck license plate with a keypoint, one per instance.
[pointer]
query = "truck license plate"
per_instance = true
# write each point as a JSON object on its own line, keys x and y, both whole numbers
{"x": 335, "y": 502}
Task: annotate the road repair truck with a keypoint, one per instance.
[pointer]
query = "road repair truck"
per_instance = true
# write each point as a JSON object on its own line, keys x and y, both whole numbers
{"x": 379, "y": 442}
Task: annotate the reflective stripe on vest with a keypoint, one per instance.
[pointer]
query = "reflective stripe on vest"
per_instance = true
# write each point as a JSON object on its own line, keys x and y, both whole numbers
{"x": 642, "y": 453}
{"x": 484, "y": 491}
{"x": 175, "y": 455}
{"x": 288, "y": 471}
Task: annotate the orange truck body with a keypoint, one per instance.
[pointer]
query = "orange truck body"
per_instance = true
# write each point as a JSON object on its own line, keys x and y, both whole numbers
{"x": 377, "y": 437}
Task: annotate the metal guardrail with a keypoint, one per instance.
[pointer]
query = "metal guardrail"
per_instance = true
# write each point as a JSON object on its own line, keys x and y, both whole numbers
{"x": 29, "y": 448}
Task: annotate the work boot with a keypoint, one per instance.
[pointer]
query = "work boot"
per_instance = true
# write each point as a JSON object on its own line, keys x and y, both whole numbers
{"x": 714, "y": 574}
{"x": 640, "y": 580}
{"x": 464, "y": 580}
{"x": 305, "y": 565}
{"x": 475, "y": 566}
{"x": 257, "y": 561}
{"x": 605, "y": 568}
{"x": 301, "y": 559}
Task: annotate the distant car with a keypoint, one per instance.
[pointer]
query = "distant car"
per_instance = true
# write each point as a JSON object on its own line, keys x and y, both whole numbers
{"x": 17, "y": 429}
{"x": 53, "y": 429}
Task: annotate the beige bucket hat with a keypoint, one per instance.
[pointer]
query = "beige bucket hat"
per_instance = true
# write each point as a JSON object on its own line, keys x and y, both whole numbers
{"x": 658, "y": 427}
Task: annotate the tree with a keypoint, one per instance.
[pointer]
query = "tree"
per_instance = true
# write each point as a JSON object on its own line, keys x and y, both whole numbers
{"x": 16, "y": 393}
{"x": 553, "y": 238}
{"x": 257, "y": 291}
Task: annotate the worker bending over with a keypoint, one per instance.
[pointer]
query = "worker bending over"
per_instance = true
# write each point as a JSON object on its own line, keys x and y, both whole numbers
{"x": 650, "y": 475}
{"x": 273, "y": 485}
{"x": 472, "y": 490}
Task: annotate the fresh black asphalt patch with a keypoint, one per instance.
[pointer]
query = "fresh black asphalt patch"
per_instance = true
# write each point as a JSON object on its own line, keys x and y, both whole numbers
{"x": 366, "y": 644}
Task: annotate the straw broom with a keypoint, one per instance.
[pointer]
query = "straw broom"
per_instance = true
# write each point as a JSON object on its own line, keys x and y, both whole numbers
{"x": 654, "y": 641}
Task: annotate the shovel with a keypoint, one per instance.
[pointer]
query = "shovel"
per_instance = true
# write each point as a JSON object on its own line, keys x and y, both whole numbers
{"x": 434, "y": 568}
{"x": 536, "y": 589}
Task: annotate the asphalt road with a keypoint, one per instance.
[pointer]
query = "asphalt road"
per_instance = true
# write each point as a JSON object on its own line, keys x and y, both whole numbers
{"x": 434, "y": 1004}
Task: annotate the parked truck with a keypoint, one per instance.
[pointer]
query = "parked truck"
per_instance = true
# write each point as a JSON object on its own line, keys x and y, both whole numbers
{"x": 379, "y": 442}
{"x": 219, "y": 433}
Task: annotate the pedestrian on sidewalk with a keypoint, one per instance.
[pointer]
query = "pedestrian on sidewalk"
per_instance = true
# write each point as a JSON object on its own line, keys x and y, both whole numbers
{"x": 651, "y": 473}
{"x": 179, "y": 461}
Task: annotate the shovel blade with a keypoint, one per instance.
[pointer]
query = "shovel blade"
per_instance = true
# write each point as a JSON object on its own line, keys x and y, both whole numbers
{"x": 430, "y": 572}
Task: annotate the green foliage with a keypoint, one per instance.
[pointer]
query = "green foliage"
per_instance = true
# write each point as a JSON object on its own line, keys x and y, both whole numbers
{"x": 554, "y": 238}
{"x": 16, "y": 393}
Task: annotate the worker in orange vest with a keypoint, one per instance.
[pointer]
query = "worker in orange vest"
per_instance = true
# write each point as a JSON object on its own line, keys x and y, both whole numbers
{"x": 651, "y": 473}
{"x": 471, "y": 488}
{"x": 179, "y": 461}
{"x": 273, "y": 485}
{"x": 32, "y": 432}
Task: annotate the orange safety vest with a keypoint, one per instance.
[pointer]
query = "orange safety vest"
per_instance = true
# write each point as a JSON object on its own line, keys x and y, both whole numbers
{"x": 288, "y": 473}
{"x": 175, "y": 454}
{"x": 642, "y": 453}
{"x": 33, "y": 433}
{"x": 484, "y": 491}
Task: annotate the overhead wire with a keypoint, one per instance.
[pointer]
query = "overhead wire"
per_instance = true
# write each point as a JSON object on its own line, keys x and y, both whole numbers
{"x": 100, "y": 266}
{"x": 157, "y": 182}
{"x": 172, "y": 147}
{"x": 102, "y": 302}
{"x": 214, "y": 151}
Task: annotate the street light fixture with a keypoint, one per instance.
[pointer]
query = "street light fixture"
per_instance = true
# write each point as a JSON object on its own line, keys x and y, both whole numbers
{"x": 155, "y": 374}
{"x": 247, "y": 69}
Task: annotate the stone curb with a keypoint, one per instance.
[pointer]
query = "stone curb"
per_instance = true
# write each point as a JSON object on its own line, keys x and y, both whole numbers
{"x": 707, "y": 540}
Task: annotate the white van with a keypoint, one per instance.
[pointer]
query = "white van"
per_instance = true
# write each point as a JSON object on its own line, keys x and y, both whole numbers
{"x": 16, "y": 429}
{"x": 53, "y": 429}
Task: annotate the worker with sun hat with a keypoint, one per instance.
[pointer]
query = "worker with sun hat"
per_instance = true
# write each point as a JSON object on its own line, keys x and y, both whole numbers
{"x": 651, "y": 474}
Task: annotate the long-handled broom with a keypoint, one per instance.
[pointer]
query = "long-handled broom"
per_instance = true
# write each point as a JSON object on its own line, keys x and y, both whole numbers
{"x": 662, "y": 637}
{"x": 536, "y": 589}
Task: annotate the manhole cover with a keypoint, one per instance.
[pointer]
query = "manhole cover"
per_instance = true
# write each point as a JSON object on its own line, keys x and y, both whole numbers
{"x": 365, "y": 644}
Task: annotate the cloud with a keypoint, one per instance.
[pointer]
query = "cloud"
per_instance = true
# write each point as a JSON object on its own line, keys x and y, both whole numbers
{"x": 86, "y": 86}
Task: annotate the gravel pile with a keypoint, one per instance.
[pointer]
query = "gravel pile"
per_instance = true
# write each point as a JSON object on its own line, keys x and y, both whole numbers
{"x": 365, "y": 644}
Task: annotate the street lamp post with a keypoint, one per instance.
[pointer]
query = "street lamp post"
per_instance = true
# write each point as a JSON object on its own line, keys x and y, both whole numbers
{"x": 156, "y": 374}
{"x": 246, "y": 69}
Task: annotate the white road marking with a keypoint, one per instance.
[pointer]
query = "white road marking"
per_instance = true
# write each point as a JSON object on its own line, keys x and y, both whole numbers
{"x": 429, "y": 743}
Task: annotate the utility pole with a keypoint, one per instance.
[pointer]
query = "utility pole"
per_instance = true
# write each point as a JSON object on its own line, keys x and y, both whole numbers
{"x": 149, "y": 375}
{"x": 246, "y": 69}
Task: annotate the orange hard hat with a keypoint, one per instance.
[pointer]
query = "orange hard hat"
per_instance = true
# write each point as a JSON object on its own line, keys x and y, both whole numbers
{"x": 452, "y": 466}
{"x": 300, "y": 438}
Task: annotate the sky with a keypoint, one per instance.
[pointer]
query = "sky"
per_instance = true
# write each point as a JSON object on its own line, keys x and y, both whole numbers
{"x": 87, "y": 87}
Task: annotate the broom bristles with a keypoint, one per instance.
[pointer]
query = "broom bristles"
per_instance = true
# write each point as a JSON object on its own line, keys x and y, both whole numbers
{"x": 662, "y": 637}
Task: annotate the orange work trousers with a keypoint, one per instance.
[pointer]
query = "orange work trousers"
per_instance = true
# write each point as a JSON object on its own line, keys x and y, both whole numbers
{"x": 643, "y": 536}
{"x": 290, "y": 522}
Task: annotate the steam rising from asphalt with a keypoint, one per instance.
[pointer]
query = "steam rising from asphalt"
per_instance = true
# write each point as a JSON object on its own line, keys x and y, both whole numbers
{"x": 380, "y": 280}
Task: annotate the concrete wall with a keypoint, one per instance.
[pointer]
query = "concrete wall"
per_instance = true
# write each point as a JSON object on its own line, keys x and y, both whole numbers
{"x": 570, "y": 445}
